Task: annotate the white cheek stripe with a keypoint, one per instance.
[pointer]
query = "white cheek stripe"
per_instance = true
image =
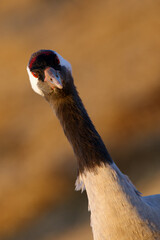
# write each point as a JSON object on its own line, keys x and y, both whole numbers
{"x": 64, "y": 62}
{"x": 34, "y": 83}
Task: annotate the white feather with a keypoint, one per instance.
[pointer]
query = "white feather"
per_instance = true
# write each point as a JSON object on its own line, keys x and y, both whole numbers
{"x": 79, "y": 184}
{"x": 34, "y": 83}
{"x": 64, "y": 62}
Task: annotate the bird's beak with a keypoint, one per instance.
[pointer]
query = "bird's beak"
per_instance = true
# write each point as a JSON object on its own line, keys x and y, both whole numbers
{"x": 52, "y": 77}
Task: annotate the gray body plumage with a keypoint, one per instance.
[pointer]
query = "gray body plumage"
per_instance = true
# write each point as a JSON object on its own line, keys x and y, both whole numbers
{"x": 118, "y": 211}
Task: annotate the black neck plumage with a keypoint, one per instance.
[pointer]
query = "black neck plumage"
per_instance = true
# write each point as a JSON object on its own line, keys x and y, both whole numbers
{"x": 80, "y": 131}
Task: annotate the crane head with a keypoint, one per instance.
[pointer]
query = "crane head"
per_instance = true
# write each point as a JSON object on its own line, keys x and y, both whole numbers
{"x": 48, "y": 72}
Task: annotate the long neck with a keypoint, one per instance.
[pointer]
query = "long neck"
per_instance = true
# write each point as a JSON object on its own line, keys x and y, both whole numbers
{"x": 114, "y": 202}
{"x": 80, "y": 131}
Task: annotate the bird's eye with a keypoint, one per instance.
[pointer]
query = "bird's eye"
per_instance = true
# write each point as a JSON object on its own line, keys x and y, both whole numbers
{"x": 35, "y": 74}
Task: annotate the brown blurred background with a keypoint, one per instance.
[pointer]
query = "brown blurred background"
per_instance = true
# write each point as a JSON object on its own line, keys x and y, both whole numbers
{"x": 114, "y": 49}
